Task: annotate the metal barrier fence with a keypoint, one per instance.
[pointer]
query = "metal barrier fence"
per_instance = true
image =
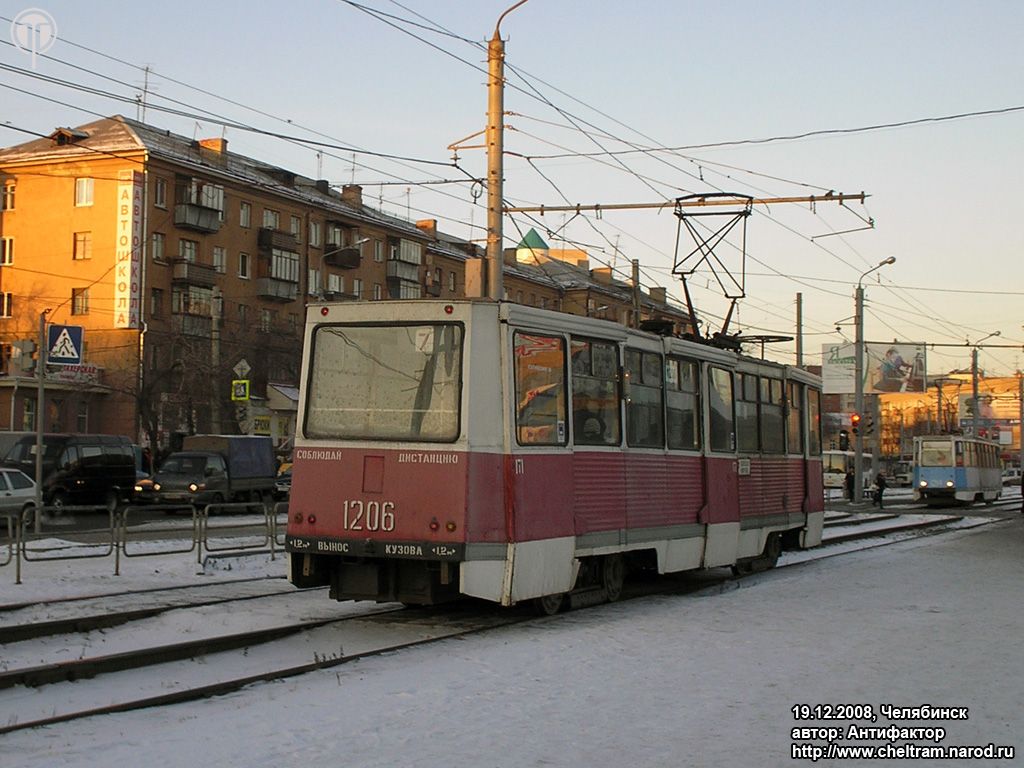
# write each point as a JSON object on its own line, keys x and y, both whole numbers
{"x": 192, "y": 531}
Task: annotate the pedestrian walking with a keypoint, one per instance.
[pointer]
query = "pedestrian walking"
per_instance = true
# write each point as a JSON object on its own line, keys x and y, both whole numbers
{"x": 879, "y": 489}
{"x": 848, "y": 484}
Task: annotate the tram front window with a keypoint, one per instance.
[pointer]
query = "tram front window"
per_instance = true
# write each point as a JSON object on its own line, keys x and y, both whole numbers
{"x": 386, "y": 382}
{"x": 936, "y": 456}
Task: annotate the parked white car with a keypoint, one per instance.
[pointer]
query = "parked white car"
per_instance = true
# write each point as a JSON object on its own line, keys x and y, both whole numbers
{"x": 1011, "y": 476}
{"x": 17, "y": 490}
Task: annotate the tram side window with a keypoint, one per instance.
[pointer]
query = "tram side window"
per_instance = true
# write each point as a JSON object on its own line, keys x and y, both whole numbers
{"x": 682, "y": 400}
{"x": 746, "y": 413}
{"x": 814, "y": 422}
{"x": 540, "y": 390}
{"x": 773, "y": 438}
{"x": 643, "y": 405}
{"x": 794, "y": 417}
{"x": 720, "y": 401}
{"x": 595, "y": 393}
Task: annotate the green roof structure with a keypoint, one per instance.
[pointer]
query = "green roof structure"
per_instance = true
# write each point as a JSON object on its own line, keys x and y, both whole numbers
{"x": 534, "y": 242}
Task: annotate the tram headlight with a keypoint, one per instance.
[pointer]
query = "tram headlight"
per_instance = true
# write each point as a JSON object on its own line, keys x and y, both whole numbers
{"x": 924, "y": 483}
{"x": 949, "y": 483}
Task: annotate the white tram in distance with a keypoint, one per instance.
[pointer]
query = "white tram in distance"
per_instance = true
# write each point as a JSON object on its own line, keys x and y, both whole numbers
{"x": 512, "y": 453}
{"x": 952, "y": 469}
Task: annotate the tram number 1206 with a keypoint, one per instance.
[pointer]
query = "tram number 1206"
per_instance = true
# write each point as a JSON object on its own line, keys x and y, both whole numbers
{"x": 369, "y": 516}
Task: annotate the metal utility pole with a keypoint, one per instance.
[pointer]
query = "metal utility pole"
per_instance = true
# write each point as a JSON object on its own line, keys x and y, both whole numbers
{"x": 974, "y": 383}
{"x": 636, "y": 293}
{"x": 1020, "y": 417}
{"x": 495, "y": 157}
{"x": 799, "y": 330}
{"x": 216, "y": 303}
{"x": 40, "y": 417}
{"x": 858, "y": 439}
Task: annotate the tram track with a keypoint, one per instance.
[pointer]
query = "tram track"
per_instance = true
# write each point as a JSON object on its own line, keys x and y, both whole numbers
{"x": 25, "y": 621}
{"x": 163, "y": 674}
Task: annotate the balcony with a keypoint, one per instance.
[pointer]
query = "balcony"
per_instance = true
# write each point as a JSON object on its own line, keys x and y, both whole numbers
{"x": 276, "y": 290}
{"x": 276, "y": 238}
{"x": 196, "y": 217}
{"x": 194, "y": 274}
{"x": 192, "y": 325}
{"x": 403, "y": 270}
{"x": 348, "y": 257}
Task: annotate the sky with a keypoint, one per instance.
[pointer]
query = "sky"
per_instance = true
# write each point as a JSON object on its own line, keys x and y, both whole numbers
{"x": 705, "y": 83}
{"x": 702, "y": 679}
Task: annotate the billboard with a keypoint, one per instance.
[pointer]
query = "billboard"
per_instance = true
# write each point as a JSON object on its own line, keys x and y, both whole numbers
{"x": 895, "y": 367}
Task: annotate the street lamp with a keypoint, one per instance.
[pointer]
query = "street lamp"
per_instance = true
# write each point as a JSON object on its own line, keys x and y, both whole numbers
{"x": 858, "y": 449}
{"x": 974, "y": 382}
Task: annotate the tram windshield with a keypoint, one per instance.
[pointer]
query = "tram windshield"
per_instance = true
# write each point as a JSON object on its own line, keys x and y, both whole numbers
{"x": 936, "y": 454}
{"x": 385, "y": 382}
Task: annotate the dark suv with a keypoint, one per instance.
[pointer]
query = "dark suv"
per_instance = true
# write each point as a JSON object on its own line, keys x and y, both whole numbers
{"x": 79, "y": 469}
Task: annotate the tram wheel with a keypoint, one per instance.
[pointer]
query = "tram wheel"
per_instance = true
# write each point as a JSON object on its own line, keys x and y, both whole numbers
{"x": 549, "y": 605}
{"x": 613, "y": 574}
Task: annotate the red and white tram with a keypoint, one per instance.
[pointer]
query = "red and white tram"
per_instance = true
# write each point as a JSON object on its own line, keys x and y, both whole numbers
{"x": 512, "y": 453}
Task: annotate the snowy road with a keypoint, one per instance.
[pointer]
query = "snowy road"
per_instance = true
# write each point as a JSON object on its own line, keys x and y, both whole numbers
{"x": 668, "y": 680}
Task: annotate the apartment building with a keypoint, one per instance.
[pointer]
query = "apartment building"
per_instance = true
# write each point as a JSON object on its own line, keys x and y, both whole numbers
{"x": 189, "y": 266}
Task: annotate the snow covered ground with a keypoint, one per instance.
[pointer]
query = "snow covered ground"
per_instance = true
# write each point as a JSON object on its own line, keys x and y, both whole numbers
{"x": 705, "y": 680}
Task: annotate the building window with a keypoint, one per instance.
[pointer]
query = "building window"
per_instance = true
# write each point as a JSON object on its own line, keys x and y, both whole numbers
{"x": 6, "y": 304}
{"x": 6, "y": 250}
{"x": 451, "y": 281}
{"x": 313, "y": 278}
{"x": 188, "y": 250}
{"x": 202, "y": 193}
{"x": 82, "y": 417}
{"x": 266, "y": 320}
{"x": 314, "y": 233}
{"x": 378, "y": 292}
{"x": 220, "y": 259}
{"x": 293, "y": 323}
{"x": 245, "y": 214}
{"x": 335, "y": 283}
{"x": 83, "y": 192}
{"x": 156, "y": 302}
{"x": 191, "y": 300}
{"x": 334, "y": 235}
{"x": 158, "y": 246}
{"x": 284, "y": 265}
{"x": 243, "y": 266}
{"x": 271, "y": 219}
{"x": 295, "y": 227}
{"x": 83, "y": 246}
{"x": 29, "y": 418}
{"x": 357, "y": 287}
{"x": 8, "y": 198}
{"x": 79, "y": 301}
{"x": 243, "y": 315}
{"x": 378, "y": 251}
{"x": 160, "y": 193}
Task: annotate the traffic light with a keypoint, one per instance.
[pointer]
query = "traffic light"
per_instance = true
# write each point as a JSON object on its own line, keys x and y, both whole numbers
{"x": 869, "y": 426}
{"x": 844, "y": 440}
{"x": 855, "y": 422}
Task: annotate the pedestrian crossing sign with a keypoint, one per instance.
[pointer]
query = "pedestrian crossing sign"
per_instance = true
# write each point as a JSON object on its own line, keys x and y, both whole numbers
{"x": 240, "y": 390}
{"x": 64, "y": 345}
